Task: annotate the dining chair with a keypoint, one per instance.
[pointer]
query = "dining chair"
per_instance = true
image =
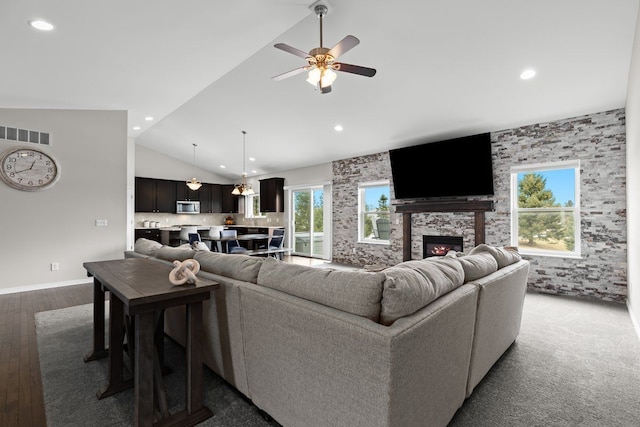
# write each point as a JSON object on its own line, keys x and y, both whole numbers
{"x": 233, "y": 246}
{"x": 185, "y": 231}
{"x": 214, "y": 233}
{"x": 276, "y": 242}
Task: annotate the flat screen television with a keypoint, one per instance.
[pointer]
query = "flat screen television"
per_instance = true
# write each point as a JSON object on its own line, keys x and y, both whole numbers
{"x": 457, "y": 167}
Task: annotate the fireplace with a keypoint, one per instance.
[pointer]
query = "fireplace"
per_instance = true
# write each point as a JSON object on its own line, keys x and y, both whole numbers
{"x": 440, "y": 245}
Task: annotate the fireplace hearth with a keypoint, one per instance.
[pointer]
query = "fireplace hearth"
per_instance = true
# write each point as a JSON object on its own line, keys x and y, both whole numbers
{"x": 440, "y": 245}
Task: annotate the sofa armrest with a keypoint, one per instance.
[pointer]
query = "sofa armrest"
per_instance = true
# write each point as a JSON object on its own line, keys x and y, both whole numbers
{"x": 500, "y": 303}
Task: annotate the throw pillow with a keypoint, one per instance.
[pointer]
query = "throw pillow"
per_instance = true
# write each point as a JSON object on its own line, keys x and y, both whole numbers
{"x": 355, "y": 292}
{"x": 504, "y": 256}
{"x": 477, "y": 265}
{"x": 411, "y": 285}
{"x": 146, "y": 246}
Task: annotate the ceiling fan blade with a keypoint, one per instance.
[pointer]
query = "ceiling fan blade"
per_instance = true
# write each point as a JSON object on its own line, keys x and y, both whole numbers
{"x": 343, "y": 46}
{"x": 325, "y": 89}
{"x": 292, "y": 50}
{"x": 354, "y": 69}
{"x": 290, "y": 73}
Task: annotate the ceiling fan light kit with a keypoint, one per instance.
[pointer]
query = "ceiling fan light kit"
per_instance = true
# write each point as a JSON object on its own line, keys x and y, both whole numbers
{"x": 322, "y": 61}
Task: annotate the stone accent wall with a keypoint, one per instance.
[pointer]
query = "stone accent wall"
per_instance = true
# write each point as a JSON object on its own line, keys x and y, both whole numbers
{"x": 347, "y": 174}
{"x": 597, "y": 140}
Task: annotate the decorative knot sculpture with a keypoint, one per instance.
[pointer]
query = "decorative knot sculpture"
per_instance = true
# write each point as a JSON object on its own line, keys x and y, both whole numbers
{"x": 184, "y": 272}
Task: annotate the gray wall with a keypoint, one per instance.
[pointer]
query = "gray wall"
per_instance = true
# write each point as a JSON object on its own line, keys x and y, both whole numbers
{"x": 58, "y": 224}
{"x": 633, "y": 180}
{"x": 597, "y": 140}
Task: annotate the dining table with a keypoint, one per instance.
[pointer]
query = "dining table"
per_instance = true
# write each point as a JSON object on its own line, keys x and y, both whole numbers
{"x": 251, "y": 238}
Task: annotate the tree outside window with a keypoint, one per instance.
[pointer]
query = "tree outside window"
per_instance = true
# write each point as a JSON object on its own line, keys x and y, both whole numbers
{"x": 375, "y": 220}
{"x": 545, "y": 209}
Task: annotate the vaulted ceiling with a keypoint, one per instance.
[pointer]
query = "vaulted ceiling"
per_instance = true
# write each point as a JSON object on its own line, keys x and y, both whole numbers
{"x": 203, "y": 71}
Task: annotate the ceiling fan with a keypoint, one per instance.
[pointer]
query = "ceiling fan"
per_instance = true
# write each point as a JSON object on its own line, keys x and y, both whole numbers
{"x": 322, "y": 61}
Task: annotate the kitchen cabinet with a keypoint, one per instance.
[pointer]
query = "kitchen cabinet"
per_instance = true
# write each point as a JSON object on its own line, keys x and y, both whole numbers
{"x": 185, "y": 193}
{"x": 148, "y": 233}
{"x": 272, "y": 195}
{"x": 155, "y": 195}
{"x": 229, "y": 201}
{"x": 210, "y": 198}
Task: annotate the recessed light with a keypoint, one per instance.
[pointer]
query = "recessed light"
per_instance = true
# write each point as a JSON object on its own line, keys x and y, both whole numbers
{"x": 148, "y": 118}
{"x": 137, "y": 128}
{"x": 338, "y": 128}
{"x": 41, "y": 25}
{"x": 223, "y": 167}
{"x": 252, "y": 159}
{"x": 527, "y": 74}
{"x": 254, "y": 171}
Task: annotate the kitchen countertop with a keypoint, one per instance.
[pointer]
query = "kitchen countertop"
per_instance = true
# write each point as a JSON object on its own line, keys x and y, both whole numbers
{"x": 206, "y": 227}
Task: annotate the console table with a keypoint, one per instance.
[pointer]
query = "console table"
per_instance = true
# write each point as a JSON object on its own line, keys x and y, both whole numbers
{"x": 478, "y": 207}
{"x": 141, "y": 289}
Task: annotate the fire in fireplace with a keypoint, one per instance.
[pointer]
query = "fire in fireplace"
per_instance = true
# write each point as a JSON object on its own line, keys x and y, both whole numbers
{"x": 440, "y": 245}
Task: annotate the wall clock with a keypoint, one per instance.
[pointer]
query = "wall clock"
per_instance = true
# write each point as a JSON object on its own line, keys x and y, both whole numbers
{"x": 28, "y": 169}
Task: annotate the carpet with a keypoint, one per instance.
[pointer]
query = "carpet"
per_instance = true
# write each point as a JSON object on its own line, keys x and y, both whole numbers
{"x": 575, "y": 363}
{"x": 69, "y": 385}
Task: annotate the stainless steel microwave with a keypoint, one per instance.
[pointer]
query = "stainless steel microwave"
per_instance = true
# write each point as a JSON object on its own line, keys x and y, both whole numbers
{"x": 187, "y": 207}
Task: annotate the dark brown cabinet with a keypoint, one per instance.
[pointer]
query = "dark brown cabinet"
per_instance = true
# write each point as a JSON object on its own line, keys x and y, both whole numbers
{"x": 272, "y": 195}
{"x": 155, "y": 195}
{"x": 229, "y": 201}
{"x": 150, "y": 233}
{"x": 210, "y": 196}
{"x": 185, "y": 193}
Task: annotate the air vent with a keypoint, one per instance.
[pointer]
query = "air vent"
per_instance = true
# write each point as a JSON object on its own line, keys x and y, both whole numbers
{"x": 24, "y": 135}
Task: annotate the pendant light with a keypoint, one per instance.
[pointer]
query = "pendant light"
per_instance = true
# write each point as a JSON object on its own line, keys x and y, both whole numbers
{"x": 243, "y": 189}
{"x": 194, "y": 184}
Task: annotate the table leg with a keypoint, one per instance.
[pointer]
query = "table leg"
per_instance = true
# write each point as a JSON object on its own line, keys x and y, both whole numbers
{"x": 115, "y": 382}
{"x": 195, "y": 404}
{"x": 143, "y": 375}
{"x": 99, "y": 350}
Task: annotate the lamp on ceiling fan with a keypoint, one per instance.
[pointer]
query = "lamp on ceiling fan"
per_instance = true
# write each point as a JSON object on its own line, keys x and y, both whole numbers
{"x": 322, "y": 61}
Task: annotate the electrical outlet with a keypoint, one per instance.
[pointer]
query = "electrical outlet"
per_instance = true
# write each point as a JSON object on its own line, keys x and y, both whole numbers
{"x": 55, "y": 266}
{"x": 101, "y": 222}
{"x": 353, "y": 251}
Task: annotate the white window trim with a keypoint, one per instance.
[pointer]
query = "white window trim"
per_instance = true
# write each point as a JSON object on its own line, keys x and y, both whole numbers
{"x": 248, "y": 203}
{"x": 536, "y": 167}
{"x": 361, "y": 212}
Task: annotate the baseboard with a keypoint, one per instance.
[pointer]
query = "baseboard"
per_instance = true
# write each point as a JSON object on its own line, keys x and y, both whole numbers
{"x": 40, "y": 286}
{"x": 634, "y": 321}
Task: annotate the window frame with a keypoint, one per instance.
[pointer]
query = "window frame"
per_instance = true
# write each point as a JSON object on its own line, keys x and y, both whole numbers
{"x": 248, "y": 203}
{"x": 575, "y": 209}
{"x": 362, "y": 187}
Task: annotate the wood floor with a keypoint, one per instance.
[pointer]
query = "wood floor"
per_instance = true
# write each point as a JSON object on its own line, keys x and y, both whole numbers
{"x": 21, "y": 402}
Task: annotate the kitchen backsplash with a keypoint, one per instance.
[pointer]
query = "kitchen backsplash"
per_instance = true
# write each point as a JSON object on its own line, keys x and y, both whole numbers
{"x": 166, "y": 219}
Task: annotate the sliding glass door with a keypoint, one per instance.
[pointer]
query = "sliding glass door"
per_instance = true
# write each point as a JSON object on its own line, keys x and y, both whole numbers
{"x": 308, "y": 222}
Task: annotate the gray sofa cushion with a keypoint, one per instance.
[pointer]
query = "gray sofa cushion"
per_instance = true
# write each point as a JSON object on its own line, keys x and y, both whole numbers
{"x": 169, "y": 253}
{"x": 146, "y": 247}
{"x": 355, "y": 292}
{"x": 503, "y": 255}
{"x": 477, "y": 265}
{"x": 236, "y": 266}
{"x": 411, "y": 285}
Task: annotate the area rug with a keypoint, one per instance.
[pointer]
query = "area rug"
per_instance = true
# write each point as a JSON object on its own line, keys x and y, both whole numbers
{"x": 69, "y": 385}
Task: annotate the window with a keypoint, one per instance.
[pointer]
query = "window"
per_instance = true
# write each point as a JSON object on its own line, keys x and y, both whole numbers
{"x": 545, "y": 209}
{"x": 252, "y": 204}
{"x": 374, "y": 222}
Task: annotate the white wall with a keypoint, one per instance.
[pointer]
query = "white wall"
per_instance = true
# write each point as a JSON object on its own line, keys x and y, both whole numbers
{"x": 153, "y": 164}
{"x": 633, "y": 182}
{"x": 58, "y": 224}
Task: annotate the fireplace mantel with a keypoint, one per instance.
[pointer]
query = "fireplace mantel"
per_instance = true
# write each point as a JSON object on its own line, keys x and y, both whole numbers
{"x": 478, "y": 207}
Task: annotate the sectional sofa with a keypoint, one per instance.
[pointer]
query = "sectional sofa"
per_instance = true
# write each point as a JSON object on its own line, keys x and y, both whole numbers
{"x": 318, "y": 347}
